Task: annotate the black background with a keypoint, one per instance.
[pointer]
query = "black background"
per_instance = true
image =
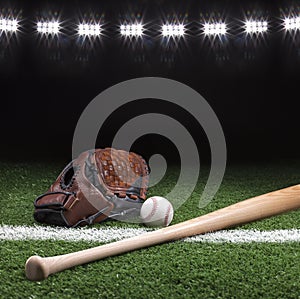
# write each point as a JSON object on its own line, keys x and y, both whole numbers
{"x": 252, "y": 84}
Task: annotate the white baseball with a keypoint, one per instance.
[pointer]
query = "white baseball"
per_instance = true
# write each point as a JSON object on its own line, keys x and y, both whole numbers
{"x": 157, "y": 211}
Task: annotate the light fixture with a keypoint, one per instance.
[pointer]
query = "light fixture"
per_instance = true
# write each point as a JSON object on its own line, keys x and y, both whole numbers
{"x": 216, "y": 28}
{"x": 132, "y": 30}
{"x": 256, "y": 26}
{"x": 48, "y": 27}
{"x": 292, "y": 23}
{"x": 9, "y": 25}
{"x": 86, "y": 29}
{"x": 173, "y": 30}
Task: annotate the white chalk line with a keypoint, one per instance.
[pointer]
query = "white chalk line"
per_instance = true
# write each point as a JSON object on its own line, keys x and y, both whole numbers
{"x": 104, "y": 235}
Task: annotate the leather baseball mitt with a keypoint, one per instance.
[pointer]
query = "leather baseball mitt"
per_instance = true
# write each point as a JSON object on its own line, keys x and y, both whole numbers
{"x": 100, "y": 183}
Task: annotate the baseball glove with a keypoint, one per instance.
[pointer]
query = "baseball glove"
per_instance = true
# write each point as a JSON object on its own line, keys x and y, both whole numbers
{"x": 100, "y": 183}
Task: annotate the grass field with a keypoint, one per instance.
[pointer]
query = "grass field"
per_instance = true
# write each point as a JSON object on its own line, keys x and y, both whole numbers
{"x": 175, "y": 270}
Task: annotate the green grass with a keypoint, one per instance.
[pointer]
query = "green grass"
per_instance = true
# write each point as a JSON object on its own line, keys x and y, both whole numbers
{"x": 174, "y": 270}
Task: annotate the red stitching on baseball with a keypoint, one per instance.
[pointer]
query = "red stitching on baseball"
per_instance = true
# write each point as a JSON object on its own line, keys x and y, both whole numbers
{"x": 153, "y": 211}
{"x": 167, "y": 215}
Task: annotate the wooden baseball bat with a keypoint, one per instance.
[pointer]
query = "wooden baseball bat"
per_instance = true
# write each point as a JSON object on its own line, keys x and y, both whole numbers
{"x": 263, "y": 206}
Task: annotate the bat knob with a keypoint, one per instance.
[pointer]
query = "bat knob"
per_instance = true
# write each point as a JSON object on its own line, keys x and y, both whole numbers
{"x": 36, "y": 269}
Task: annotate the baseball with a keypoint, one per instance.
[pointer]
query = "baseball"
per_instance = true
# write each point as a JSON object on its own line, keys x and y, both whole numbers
{"x": 157, "y": 211}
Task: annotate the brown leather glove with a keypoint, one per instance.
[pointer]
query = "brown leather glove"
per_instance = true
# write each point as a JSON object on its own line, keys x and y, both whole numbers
{"x": 100, "y": 183}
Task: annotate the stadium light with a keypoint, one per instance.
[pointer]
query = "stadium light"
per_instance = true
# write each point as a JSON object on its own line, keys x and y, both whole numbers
{"x": 89, "y": 29}
{"x": 292, "y": 23}
{"x": 9, "y": 25}
{"x": 132, "y": 30}
{"x": 48, "y": 27}
{"x": 218, "y": 28}
{"x": 256, "y": 27}
{"x": 173, "y": 30}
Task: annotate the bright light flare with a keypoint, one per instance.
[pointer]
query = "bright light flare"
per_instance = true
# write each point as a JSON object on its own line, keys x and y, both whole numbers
{"x": 292, "y": 23}
{"x": 48, "y": 27}
{"x": 218, "y": 28}
{"x": 256, "y": 27}
{"x": 9, "y": 25}
{"x": 89, "y": 29}
{"x": 132, "y": 30}
{"x": 173, "y": 30}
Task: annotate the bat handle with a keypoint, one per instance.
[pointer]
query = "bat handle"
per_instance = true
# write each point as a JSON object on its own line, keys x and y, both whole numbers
{"x": 36, "y": 268}
{"x": 39, "y": 268}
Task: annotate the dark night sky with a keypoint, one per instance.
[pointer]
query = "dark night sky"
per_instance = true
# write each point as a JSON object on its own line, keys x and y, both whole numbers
{"x": 253, "y": 87}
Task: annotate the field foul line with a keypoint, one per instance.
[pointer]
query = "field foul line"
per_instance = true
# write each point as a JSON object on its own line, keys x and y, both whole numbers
{"x": 104, "y": 235}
